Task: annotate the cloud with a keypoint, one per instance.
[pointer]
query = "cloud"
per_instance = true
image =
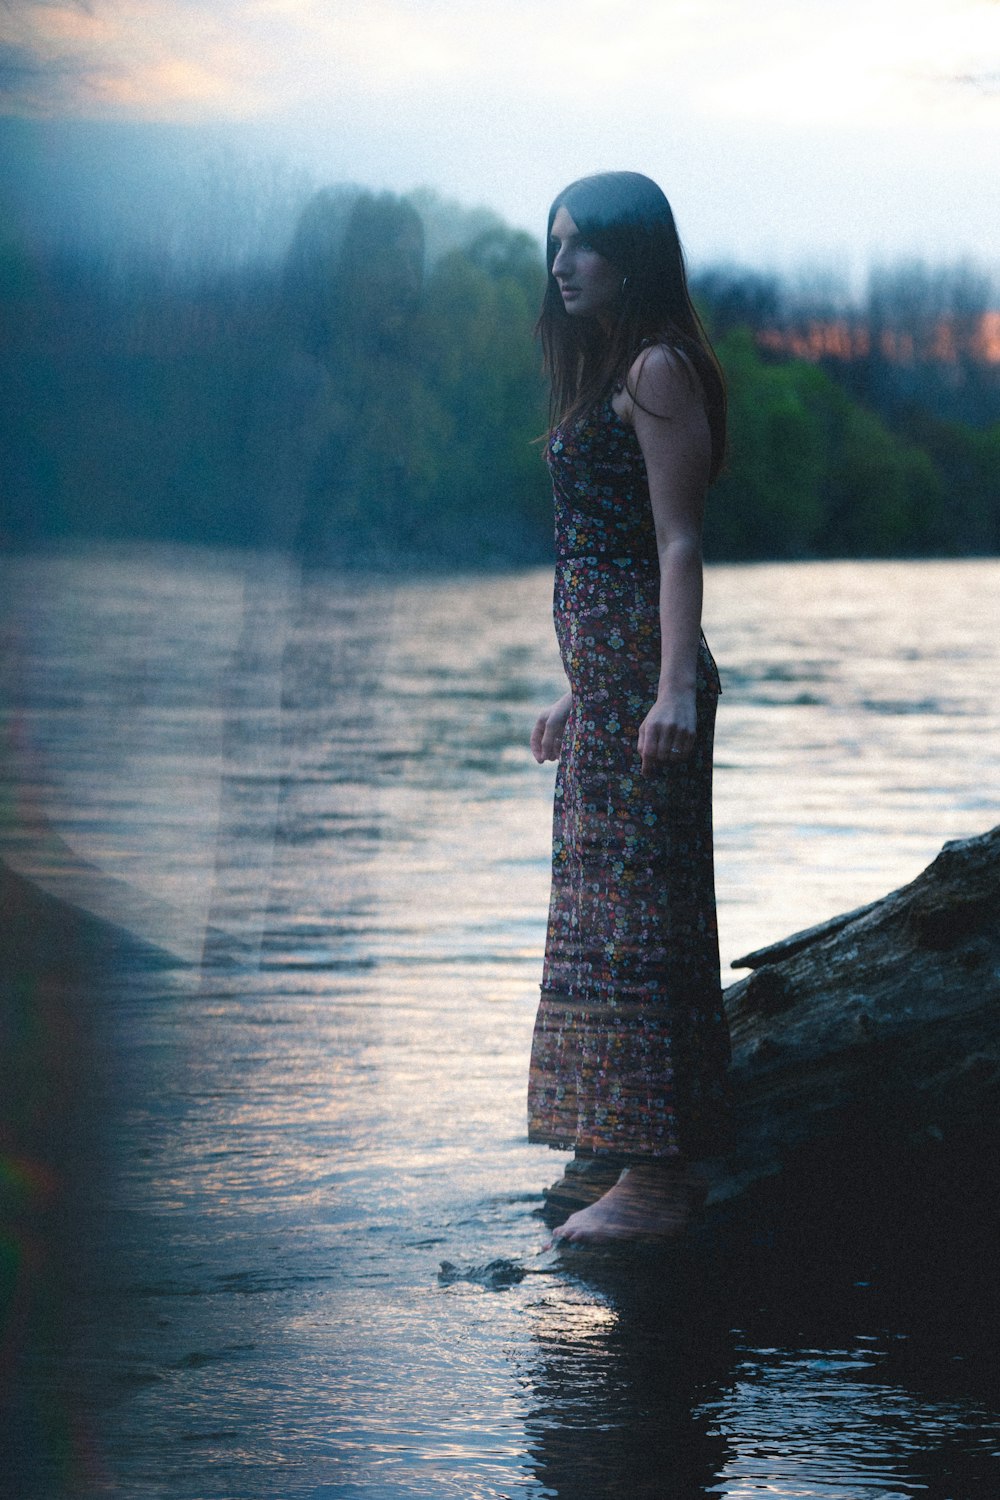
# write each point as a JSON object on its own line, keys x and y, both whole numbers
{"x": 33, "y": 81}
{"x": 778, "y": 126}
{"x": 986, "y": 82}
{"x": 788, "y": 60}
{"x": 177, "y": 59}
{"x": 161, "y": 59}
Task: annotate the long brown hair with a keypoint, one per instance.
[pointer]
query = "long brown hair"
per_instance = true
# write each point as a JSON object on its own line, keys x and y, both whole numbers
{"x": 627, "y": 219}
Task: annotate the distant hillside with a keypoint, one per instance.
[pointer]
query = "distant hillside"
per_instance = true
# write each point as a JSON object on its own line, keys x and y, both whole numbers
{"x": 369, "y": 392}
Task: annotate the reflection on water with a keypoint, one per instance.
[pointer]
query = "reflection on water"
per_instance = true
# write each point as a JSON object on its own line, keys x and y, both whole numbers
{"x": 314, "y": 792}
{"x": 624, "y": 1378}
{"x": 851, "y": 1433}
{"x": 858, "y": 732}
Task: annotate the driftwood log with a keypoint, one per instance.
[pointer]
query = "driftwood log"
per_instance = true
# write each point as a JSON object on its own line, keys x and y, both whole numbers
{"x": 880, "y": 1026}
{"x": 866, "y": 1054}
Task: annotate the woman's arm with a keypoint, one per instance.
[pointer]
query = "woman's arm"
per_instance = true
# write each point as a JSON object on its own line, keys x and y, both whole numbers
{"x": 546, "y": 737}
{"x": 663, "y": 401}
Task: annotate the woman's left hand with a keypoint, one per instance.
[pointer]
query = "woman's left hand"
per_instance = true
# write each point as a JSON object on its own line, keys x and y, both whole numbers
{"x": 666, "y": 734}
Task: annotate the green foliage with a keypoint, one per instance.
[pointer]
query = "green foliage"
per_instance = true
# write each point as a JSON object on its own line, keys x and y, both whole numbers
{"x": 480, "y": 363}
{"x": 432, "y": 397}
{"x": 767, "y": 502}
{"x": 812, "y": 473}
{"x": 377, "y": 399}
{"x": 967, "y": 519}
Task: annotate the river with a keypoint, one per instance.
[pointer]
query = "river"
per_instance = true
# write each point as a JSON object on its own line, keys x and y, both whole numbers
{"x": 310, "y": 1260}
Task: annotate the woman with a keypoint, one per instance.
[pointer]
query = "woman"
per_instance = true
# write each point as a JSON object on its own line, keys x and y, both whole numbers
{"x": 631, "y": 1046}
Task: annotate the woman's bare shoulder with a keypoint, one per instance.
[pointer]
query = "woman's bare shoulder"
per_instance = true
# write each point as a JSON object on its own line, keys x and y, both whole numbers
{"x": 662, "y": 381}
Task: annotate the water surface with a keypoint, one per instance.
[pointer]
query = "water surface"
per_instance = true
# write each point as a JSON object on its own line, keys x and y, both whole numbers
{"x": 314, "y": 793}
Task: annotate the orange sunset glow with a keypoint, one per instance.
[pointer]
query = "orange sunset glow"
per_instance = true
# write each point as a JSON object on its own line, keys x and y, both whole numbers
{"x": 842, "y": 339}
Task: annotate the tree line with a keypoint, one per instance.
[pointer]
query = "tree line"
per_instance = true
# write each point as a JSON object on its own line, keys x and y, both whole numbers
{"x": 374, "y": 398}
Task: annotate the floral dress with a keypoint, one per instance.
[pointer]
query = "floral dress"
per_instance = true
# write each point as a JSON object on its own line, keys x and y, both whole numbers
{"x": 631, "y": 1046}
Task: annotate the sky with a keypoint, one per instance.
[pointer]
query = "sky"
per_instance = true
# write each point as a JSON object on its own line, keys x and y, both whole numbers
{"x": 826, "y": 134}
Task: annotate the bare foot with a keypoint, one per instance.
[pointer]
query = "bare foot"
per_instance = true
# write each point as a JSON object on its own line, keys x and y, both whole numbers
{"x": 648, "y": 1202}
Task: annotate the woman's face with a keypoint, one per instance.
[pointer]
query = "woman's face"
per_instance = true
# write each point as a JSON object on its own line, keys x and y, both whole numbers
{"x": 590, "y": 285}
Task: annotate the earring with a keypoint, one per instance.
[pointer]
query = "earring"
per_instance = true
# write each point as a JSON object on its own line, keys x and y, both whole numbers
{"x": 624, "y": 285}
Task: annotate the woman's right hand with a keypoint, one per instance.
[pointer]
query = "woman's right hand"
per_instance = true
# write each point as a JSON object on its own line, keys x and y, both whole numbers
{"x": 546, "y": 737}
